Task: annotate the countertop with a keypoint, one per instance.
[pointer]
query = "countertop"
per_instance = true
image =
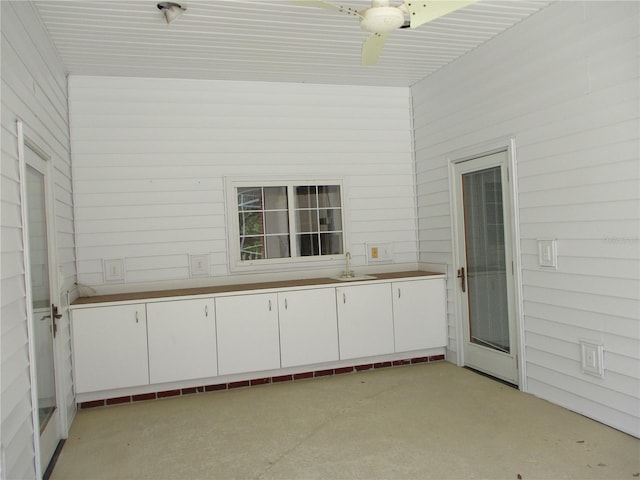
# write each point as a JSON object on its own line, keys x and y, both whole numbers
{"x": 241, "y": 287}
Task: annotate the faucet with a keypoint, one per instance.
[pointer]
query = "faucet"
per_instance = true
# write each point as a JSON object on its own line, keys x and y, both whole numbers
{"x": 347, "y": 272}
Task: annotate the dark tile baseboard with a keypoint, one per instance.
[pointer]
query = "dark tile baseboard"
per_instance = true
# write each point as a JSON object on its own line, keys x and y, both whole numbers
{"x": 256, "y": 381}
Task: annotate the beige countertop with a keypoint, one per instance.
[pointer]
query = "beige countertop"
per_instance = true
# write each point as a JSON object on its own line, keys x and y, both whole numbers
{"x": 241, "y": 287}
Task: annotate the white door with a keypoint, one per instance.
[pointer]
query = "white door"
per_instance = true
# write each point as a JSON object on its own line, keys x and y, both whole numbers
{"x": 43, "y": 313}
{"x": 308, "y": 327}
{"x": 182, "y": 340}
{"x": 365, "y": 320}
{"x": 485, "y": 270}
{"x": 247, "y": 333}
{"x": 110, "y": 347}
{"x": 419, "y": 314}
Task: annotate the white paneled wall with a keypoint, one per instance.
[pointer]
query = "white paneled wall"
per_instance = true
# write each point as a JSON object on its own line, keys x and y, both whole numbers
{"x": 151, "y": 157}
{"x": 34, "y": 89}
{"x": 565, "y": 84}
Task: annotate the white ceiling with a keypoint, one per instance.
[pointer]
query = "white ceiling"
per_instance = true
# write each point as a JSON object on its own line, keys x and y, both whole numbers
{"x": 269, "y": 40}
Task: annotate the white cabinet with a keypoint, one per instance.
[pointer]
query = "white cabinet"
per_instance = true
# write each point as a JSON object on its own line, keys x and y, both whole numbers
{"x": 110, "y": 347}
{"x": 247, "y": 333}
{"x": 176, "y": 340}
{"x": 308, "y": 327}
{"x": 182, "y": 340}
{"x": 365, "y": 320}
{"x": 419, "y": 314}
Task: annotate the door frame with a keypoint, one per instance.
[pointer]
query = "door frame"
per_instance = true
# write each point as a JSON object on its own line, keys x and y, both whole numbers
{"x": 26, "y": 140}
{"x": 507, "y": 144}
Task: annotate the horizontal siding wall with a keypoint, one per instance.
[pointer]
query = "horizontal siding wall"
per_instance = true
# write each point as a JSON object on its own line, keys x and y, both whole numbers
{"x": 151, "y": 157}
{"x": 565, "y": 84}
{"x": 34, "y": 89}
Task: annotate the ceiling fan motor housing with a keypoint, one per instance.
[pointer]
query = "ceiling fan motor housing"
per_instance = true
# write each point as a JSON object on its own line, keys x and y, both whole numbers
{"x": 381, "y": 19}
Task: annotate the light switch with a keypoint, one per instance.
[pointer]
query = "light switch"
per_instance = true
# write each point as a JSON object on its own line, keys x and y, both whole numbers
{"x": 547, "y": 253}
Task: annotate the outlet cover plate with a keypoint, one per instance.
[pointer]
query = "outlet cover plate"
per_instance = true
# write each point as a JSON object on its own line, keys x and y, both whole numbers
{"x": 592, "y": 358}
{"x": 548, "y": 253}
{"x": 113, "y": 269}
{"x": 379, "y": 253}
{"x": 199, "y": 265}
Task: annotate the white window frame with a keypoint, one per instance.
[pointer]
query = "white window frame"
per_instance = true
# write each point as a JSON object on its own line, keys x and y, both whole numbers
{"x": 236, "y": 264}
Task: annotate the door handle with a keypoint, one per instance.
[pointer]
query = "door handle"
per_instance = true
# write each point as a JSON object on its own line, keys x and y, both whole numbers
{"x": 463, "y": 279}
{"x": 55, "y": 315}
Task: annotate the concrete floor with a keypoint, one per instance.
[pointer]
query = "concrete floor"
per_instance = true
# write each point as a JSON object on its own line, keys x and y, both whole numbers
{"x": 428, "y": 421}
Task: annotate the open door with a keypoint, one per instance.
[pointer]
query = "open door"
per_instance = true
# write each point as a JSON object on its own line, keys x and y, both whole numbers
{"x": 42, "y": 311}
{"x": 485, "y": 270}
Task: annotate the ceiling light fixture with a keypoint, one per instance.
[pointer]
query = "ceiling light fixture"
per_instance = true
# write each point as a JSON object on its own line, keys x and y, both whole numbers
{"x": 171, "y": 10}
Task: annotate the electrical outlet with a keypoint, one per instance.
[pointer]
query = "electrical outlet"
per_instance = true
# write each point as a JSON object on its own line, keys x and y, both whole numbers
{"x": 379, "y": 253}
{"x": 199, "y": 265}
{"x": 113, "y": 270}
{"x": 592, "y": 358}
{"x": 548, "y": 253}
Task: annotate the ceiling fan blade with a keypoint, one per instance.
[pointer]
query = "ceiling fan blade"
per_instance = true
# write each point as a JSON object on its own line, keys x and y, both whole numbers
{"x": 423, "y": 11}
{"x": 372, "y": 47}
{"x": 326, "y": 6}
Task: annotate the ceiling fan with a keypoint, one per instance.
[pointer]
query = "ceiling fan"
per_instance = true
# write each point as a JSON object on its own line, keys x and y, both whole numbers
{"x": 382, "y": 18}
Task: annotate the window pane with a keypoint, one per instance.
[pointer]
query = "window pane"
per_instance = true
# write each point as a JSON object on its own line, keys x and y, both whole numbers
{"x": 278, "y": 246}
{"x": 330, "y": 220}
{"x": 329, "y": 196}
{"x": 275, "y": 198}
{"x": 250, "y": 223}
{"x": 307, "y": 220}
{"x": 306, "y": 197}
{"x": 264, "y": 219}
{"x": 276, "y": 222}
{"x": 250, "y": 198}
{"x": 252, "y": 248}
{"x": 330, "y": 243}
{"x": 308, "y": 245}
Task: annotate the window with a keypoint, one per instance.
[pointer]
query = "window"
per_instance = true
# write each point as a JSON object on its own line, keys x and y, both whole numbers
{"x": 292, "y": 221}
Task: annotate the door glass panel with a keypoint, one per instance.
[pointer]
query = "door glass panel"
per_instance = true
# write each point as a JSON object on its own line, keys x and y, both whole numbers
{"x": 486, "y": 262}
{"x": 40, "y": 294}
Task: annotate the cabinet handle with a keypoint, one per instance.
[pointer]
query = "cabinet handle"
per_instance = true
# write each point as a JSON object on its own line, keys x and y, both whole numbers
{"x": 269, "y": 305}
{"x": 399, "y": 293}
{"x": 137, "y": 317}
{"x": 285, "y": 304}
{"x": 206, "y": 310}
{"x": 344, "y": 297}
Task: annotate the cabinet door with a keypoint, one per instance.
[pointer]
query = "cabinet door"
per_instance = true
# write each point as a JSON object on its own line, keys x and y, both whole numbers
{"x": 182, "y": 340}
{"x": 365, "y": 320}
{"x": 419, "y": 314}
{"x": 308, "y": 327}
{"x": 110, "y": 347}
{"x": 247, "y": 333}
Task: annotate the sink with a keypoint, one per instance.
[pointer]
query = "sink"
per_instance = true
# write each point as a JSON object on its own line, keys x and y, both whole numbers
{"x": 353, "y": 278}
{"x": 348, "y": 275}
